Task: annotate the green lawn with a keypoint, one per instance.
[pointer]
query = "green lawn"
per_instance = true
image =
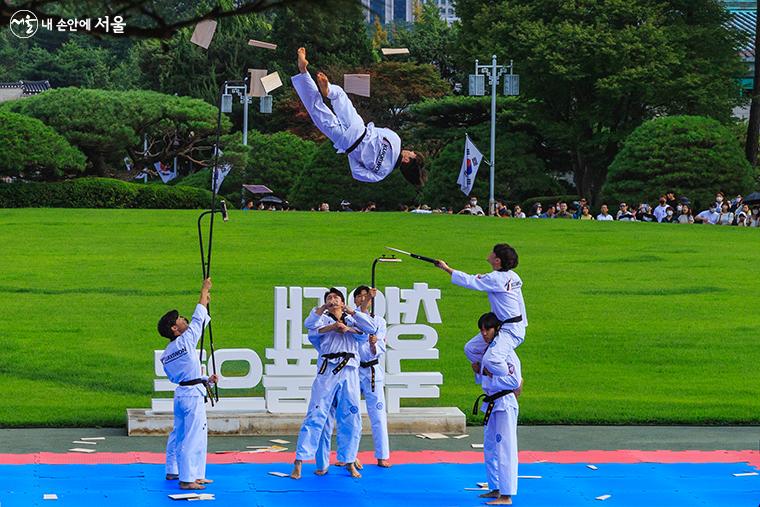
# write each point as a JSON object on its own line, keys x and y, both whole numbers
{"x": 629, "y": 323}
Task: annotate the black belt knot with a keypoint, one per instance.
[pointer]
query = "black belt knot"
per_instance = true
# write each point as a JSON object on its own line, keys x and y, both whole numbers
{"x": 512, "y": 320}
{"x": 357, "y": 142}
{"x": 195, "y": 382}
{"x": 491, "y": 400}
{"x": 371, "y": 366}
{"x": 335, "y": 355}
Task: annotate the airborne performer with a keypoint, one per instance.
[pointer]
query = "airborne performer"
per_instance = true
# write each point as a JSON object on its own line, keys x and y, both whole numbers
{"x": 373, "y": 152}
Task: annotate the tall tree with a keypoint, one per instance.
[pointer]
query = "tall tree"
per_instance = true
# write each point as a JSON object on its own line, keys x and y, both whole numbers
{"x": 597, "y": 69}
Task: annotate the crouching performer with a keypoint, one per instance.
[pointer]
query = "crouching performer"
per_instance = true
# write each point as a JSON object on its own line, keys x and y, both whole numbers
{"x": 336, "y": 336}
{"x": 497, "y": 369}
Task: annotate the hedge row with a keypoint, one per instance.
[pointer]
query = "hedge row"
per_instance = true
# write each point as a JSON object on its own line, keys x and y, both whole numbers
{"x": 101, "y": 193}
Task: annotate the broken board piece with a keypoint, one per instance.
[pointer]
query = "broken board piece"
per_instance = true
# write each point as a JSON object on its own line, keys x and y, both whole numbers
{"x": 460, "y": 436}
{"x": 476, "y": 446}
{"x": 254, "y": 82}
{"x": 86, "y": 442}
{"x": 603, "y": 497}
{"x": 592, "y": 467}
{"x": 262, "y": 44}
{"x": 203, "y": 33}
{"x": 394, "y": 51}
{"x": 279, "y": 441}
{"x": 50, "y": 496}
{"x": 184, "y": 496}
{"x": 745, "y": 474}
{"x": 530, "y": 477}
{"x": 271, "y": 82}
{"x": 78, "y": 449}
{"x": 476, "y": 489}
{"x": 92, "y": 438}
{"x": 435, "y": 436}
{"x": 420, "y": 436}
{"x": 482, "y": 485}
{"x": 202, "y": 496}
{"x": 279, "y": 474}
{"x": 358, "y": 84}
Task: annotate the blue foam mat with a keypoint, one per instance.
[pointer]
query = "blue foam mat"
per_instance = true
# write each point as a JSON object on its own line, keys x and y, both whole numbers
{"x": 435, "y": 485}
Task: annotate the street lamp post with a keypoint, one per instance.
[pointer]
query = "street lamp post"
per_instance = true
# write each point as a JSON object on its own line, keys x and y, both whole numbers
{"x": 477, "y": 87}
{"x": 240, "y": 89}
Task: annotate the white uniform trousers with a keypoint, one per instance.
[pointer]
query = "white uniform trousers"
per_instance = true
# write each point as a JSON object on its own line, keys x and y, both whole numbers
{"x": 376, "y": 409}
{"x": 500, "y": 450}
{"x": 344, "y": 126}
{"x": 187, "y": 443}
{"x": 327, "y": 388}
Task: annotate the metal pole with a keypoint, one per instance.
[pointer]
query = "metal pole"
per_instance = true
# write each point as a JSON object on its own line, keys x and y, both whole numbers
{"x": 245, "y": 118}
{"x": 494, "y": 79}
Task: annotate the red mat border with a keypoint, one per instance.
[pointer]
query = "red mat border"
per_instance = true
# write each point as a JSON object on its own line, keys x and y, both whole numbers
{"x": 399, "y": 457}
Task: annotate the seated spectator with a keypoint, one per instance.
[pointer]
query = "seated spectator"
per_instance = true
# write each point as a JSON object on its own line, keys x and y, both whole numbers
{"x": 467, "y": 210}
{"x": 579, "y": 208}
{"x": 536, "y": 210}
{"x": 586, "y": 213}
{"x": 563, "y": 213}
{"x": 661, "y": 209}
{"x": 605, "y": 214}
{"x": 324, "y": 207}
{"x": 549, "y": 213}
{"x": 744, "y": 208}
{"x": 685, "y": 216}
{"x": 423, "y": 209}
{"x": 720, "y": 198}
{"x": 624, "y": 214}
{"x": 754, "y": 220}
{"x": 737, "y": 203}
{"x": 369, "y": 207}
{"x": 670, "y": 216}
{"x": 474, "y": 208}
{"x": 708, "y": 216}
{"x": 644, "y": 213}
{"x": 501, "y": 209}
{"x": 261, "y": 206}
{"x": 670, "y": 199}
{"x": 345, "y": 205}
{"x": 518, "y": 213}
{"x": 742, "y": 219}
{"x": 725, "y": 217}
{"x": 248, "y": 206}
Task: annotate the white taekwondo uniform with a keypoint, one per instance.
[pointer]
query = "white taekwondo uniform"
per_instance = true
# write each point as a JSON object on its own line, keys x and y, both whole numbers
{"x": 337, "y": 380}
{"x": 504, "y": 289}
{"x": 500, "y": 430}
{"x": 377, "y": 153}
{"x": 372, "y": 381}
{"x": 186, "y": 446}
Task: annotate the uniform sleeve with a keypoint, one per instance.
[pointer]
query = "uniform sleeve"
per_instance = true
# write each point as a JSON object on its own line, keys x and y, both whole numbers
{"x": 364, "y": 323}
{"x": 198, "y": 322}
{"x": 316, "y": 340}
{"x": 382, "y": 329}
{"x": 490, "y": 282}
{"x": 475, "y": 348}
{"x": 313, "y": 321}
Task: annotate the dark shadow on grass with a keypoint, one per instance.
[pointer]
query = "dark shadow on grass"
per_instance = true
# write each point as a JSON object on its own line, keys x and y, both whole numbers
{"x": 640, "y": 258}
{"x": 658, "y": 291}
{"x": 95, "y": 290}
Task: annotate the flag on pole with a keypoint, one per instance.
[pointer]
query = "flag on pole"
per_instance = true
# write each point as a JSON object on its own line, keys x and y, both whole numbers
{"x": 221, "y": 172}
{"x": 470, "y": 164}
{"x": 164, "y": 173}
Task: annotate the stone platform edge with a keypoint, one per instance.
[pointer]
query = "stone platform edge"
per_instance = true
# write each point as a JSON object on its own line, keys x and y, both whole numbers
{"x": 409, "y": 421}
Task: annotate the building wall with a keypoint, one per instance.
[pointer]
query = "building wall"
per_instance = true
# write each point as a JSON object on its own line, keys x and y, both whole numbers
{"x": 10, "y": 94}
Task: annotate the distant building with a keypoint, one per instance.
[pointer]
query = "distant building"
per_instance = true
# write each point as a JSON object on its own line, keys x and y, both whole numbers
{"x": 745, "y": 20}
{"x": 20, "y": 89}
{"x": 403, "y": 10}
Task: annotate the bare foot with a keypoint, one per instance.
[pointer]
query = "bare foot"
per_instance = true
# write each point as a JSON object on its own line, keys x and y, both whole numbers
{"x": 353, "y": 471}
{"x": 494, "y": 493}
{"x": 340, "y": 464}
{"x": 203, "y": 481}
{"x": 384, "y": 463}
{"x": 358, "y": 464}
{"x": 321, "y": 472}
{"x": 172, "y": 477}
{"x": 323, "y": 84}
{"x": 296, "y": 473}
{"x": 502, "y": 500}
{"x": 303, "y": 63}
{"x": 191, "y": 485}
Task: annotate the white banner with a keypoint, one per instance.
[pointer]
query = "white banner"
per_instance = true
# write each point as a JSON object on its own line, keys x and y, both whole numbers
{"x": 470, "y": 164}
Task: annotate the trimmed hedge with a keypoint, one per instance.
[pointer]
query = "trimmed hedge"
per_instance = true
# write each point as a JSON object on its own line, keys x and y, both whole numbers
{"x": 101, "y": 193}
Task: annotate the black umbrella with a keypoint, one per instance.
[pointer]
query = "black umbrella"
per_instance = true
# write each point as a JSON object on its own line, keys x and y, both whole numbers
{"x": 753, "y": 198}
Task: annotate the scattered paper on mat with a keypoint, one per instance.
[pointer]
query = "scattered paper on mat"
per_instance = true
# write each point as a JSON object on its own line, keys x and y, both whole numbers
{"x": 79, "y": 449}
{"x": 592, "y": 467}
{"x": 279, "y": 441}
{"x": 202, "y": 496}
{"x": 434, "y": 436}
{"x": 476, "y": 446}
{"x": 461, "y": 436}
{"x": 603, "y": 497}
{"x": 530, "y": 477}
{"x": 420, "y": 436}
{"x": 184, "y": 496}
{"x": 271, "y": 82}
{"x": 279, "y": 474}
{"x": 476, "y": 489}
{"x": 358, "y": 84}
{"x": 203, "y": 33}
{"x": 262, "y": 44}
{"x": 92, "y": 438}
{"x": 482, "y": 485}
{"x": 395, "y": 51}
{"x": 50, "y": 496}
{"x": 745, "y": 474}
{"x": 86, "y": 442}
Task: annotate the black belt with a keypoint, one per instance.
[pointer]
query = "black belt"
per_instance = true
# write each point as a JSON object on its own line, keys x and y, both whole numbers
{"x": 357, "y": 142}
{"x": 491, "y": 400}
{"x": 371, "y": 366}
{"x": 197, "y": 381}
{"x": 512, "y": 320}
{"x": 335, "y": 355}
